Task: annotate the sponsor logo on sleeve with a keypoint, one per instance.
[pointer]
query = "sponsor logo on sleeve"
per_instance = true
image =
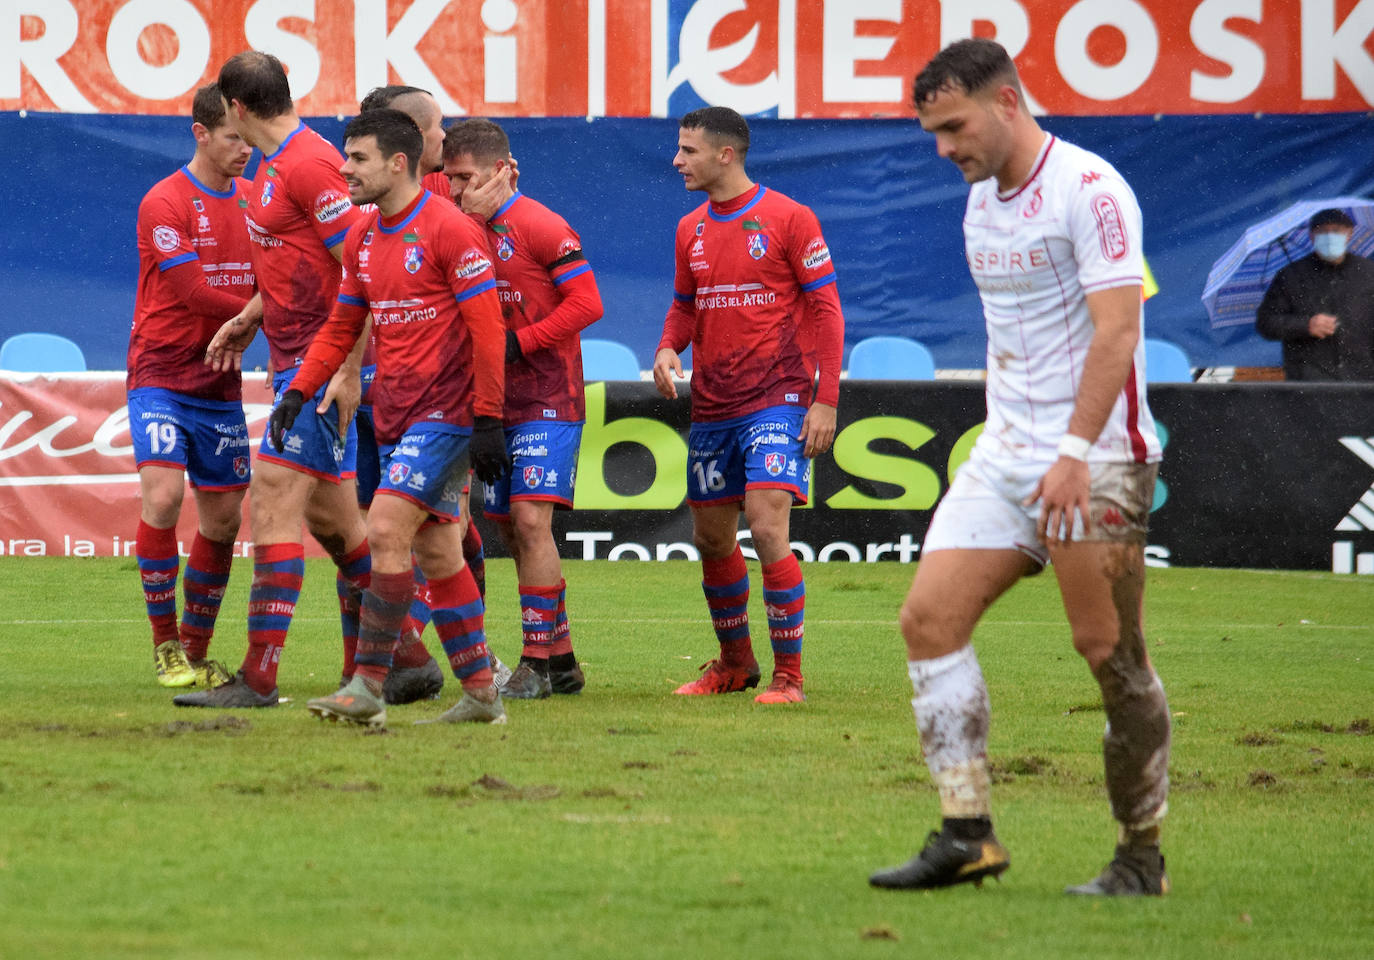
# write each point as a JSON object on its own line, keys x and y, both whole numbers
{"x": 1111, "y": 229}
{"x": 568, "y": 245}
{"x": 166, "y": 239}
{"x": 471, "y": 264}
{"x": 817, "y": 254}
{"x": 331, "y": 205}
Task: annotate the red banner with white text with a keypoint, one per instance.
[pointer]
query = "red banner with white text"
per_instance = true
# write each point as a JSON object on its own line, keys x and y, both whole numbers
{"x": 634, "y": 58}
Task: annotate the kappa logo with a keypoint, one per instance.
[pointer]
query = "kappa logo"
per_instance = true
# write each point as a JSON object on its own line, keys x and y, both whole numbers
{"x": 166, "y": 239}
{"x": 1361, "y": 513}
{"x": 1088, "y": 178}
{"x": 774, "y": 463}
{"x": 1111, "y": 517}
{"x": 397, "y": 473}
{"x": 532, "y": 475}
{"x": 413, "y": 260}
{"x": 505, "y": 249}
{"x": 758, "y": 245}
{"x": 720, "y": 52}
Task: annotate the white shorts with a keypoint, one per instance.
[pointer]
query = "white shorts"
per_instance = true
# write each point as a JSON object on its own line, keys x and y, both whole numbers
{"x": 984, "y": 508}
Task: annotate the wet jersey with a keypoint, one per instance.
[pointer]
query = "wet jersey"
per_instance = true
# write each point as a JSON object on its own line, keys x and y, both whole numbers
{"x": 548, "y": 295}
{"x": 426, "y": 278}
{"x": 754, "y": 295}
{"x": 1072, "y": 228}
{"x": 194, "y": 274}
{"x": 298, "y": 208}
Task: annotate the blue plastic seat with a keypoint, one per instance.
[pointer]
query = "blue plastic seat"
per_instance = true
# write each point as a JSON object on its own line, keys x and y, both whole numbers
{"x": 890, "y": 358}
{"x": 41, "y": 353}
{"x": 608, "y": 360}
{"x": 1166, "y": 362}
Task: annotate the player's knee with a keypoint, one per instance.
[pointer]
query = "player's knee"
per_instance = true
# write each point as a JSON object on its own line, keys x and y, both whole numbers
{"x": 161, "y": 508}
{"x": 713, "y": 544}
{"x": 1094, "y": 645}
{"x": 923, "y": 628}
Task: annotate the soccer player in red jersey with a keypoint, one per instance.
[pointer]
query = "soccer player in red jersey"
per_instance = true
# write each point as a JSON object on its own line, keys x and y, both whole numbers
{"x": 298, "y": 212}
{"x": 423, "y": 270}
{"x": 754, "y": 295}
{"x": 548, "y": 295}
{"x": 186, "y": 420}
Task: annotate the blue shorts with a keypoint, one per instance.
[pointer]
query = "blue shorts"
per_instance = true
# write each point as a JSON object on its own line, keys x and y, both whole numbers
{"x": 313, "y": 445}
{"x": 368, "y": 459}
{"x": 759, "y": 451}
{"x": 543, "y": 458}
{"x": 428, "y": 467}
{"x": 208, "y": 439}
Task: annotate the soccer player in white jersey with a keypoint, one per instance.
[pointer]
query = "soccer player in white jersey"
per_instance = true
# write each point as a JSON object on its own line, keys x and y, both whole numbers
{"x": 1064, "y": 471}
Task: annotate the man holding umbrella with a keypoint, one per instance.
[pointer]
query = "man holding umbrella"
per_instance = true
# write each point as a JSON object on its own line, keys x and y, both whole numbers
{"x": 1322, "y": 307}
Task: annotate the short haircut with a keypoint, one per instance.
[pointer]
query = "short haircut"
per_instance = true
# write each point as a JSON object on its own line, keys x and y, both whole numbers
{"x": 1330, "y": 216}
{"x": 477, "y": 137}
{"x": 720, "y": 124}
{"x": 394, "y": 132}
{"x": 207, "y": 109}
{"x": 379, "y": 97}
{"x": 971, "y": 65}
{"x": 258, "y": 81}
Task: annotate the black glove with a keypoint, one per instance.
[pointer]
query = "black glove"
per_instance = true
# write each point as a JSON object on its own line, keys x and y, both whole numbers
{"x": 513, "y": 351}
{"x": 284, "y": 416}
{"x": 490, "y": 461}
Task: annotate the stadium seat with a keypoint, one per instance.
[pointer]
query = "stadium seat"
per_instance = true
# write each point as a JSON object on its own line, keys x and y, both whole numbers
{"x": 1166, "y": 363}
{"x": 608, "y": 360}
{"x": 890, "y": 358}
{"x": 41, "y": 353}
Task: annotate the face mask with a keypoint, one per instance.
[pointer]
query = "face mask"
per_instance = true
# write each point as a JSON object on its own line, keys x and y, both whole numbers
{"x": 1329, "y": 246}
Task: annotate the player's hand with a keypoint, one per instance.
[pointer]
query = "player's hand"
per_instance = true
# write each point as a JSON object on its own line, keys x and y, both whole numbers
{"x": 485, "y": 199}
{"x": 818, "y": 429}
{"x": 513, "y": 351}
{"x": 1064, "y": 492}
{"x": 225, "y": 351}
{"x": 487, "y": 449}
{"x": 284, "y": 416}
{"x": 667, "y": 364}
{"x": 514, "y": 172}
{"x": 1322, "y": 325}
{"x": 345, "y": 389}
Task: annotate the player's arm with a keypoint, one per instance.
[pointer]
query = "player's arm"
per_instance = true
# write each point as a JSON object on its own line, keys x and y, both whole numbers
{"x": 579, "y": 303}
{"x": 226, "y": 347}
{"x": 1065, "y": 489}
{"x": 678, "y": 326}
{"x": 474, "y": 288}
{"x": 824, "y": 315}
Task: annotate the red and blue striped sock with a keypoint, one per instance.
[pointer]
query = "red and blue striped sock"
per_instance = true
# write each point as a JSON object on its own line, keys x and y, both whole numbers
{"x": 411, "y": 651}
{"x": 207, "y": 574}
{"x": 457, "y": 610}
{"x": 385, "y": 604}
{"x": 538, "y": 611}
{"x": 354, "y": 574}
{"x": 784, "y": 598}
{"x": 475, "y": 558}
{"x": 725, "y": 582}
{"x": 156, "y": 551}
{"x": 278, "y": 569}
{"x": 562, "y": 632}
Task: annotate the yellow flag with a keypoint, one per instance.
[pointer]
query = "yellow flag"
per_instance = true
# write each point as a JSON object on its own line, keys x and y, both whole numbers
{"x": 1151, "y": 288}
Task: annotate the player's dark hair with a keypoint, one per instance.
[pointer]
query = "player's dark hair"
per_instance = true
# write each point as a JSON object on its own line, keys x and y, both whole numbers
{"x": 394, "y": 131}
{"x": 379, "y": 97}
{"x": 476, "y": 137}
{"x": 720, "y": 123}
{"x": 207, "y": 108}
{"x": 970, "y": 65}
{"x": 258, "y": 81}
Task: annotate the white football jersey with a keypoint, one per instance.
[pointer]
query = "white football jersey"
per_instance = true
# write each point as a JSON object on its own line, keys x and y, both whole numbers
{"x": 1072, "y": 228}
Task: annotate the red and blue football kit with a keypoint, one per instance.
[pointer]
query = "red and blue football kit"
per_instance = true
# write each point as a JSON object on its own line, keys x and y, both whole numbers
{"x": 754, "y": 294}
{"x": 195, "y": 272}
{"x": 298, "y": 207}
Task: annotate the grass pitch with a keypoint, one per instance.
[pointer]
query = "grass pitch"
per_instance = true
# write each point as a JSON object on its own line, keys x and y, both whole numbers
{"x": 627, "y": 822}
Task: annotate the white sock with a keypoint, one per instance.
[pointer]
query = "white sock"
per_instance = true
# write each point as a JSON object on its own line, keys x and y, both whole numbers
{"x": 951, "y": 707}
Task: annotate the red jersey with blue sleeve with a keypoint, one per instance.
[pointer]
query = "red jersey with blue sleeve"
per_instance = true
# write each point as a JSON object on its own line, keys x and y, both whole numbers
{"x": 194, "y": 273}
{"x": 426, "y": 277}
{"x": 298, "y": 208}
{"x": 548, "y": 296}
{"x": 754, "y": 295}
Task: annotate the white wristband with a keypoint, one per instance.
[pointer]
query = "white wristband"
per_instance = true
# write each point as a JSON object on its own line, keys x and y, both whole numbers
{"x": 1075, "y": 448}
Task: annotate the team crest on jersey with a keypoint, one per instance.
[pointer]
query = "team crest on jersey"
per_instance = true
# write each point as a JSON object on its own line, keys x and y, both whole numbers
{"x": 533, "y": 475}
{"x": 504, "y": 248}
{"x": 1033, "y": 205}
{"x": 414, "y": 258}
{"x": 241, "y": 467}
{"x": 774, "y": 463}
{"x": 758, "y": 245}
{"x": 398, "y": 472}
{"x": 166, "y": 239}
{"x": 701, "y": 227}
{"x": 268, "y": 189}
{"x": 196, "y": 202}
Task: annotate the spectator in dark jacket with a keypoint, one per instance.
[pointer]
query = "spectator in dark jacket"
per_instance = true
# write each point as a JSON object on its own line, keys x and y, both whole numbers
{"x": 1322, "y": 307}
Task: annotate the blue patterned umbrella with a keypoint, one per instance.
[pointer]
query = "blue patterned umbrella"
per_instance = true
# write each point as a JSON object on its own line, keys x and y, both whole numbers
{"x": 1238, "y": 280}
